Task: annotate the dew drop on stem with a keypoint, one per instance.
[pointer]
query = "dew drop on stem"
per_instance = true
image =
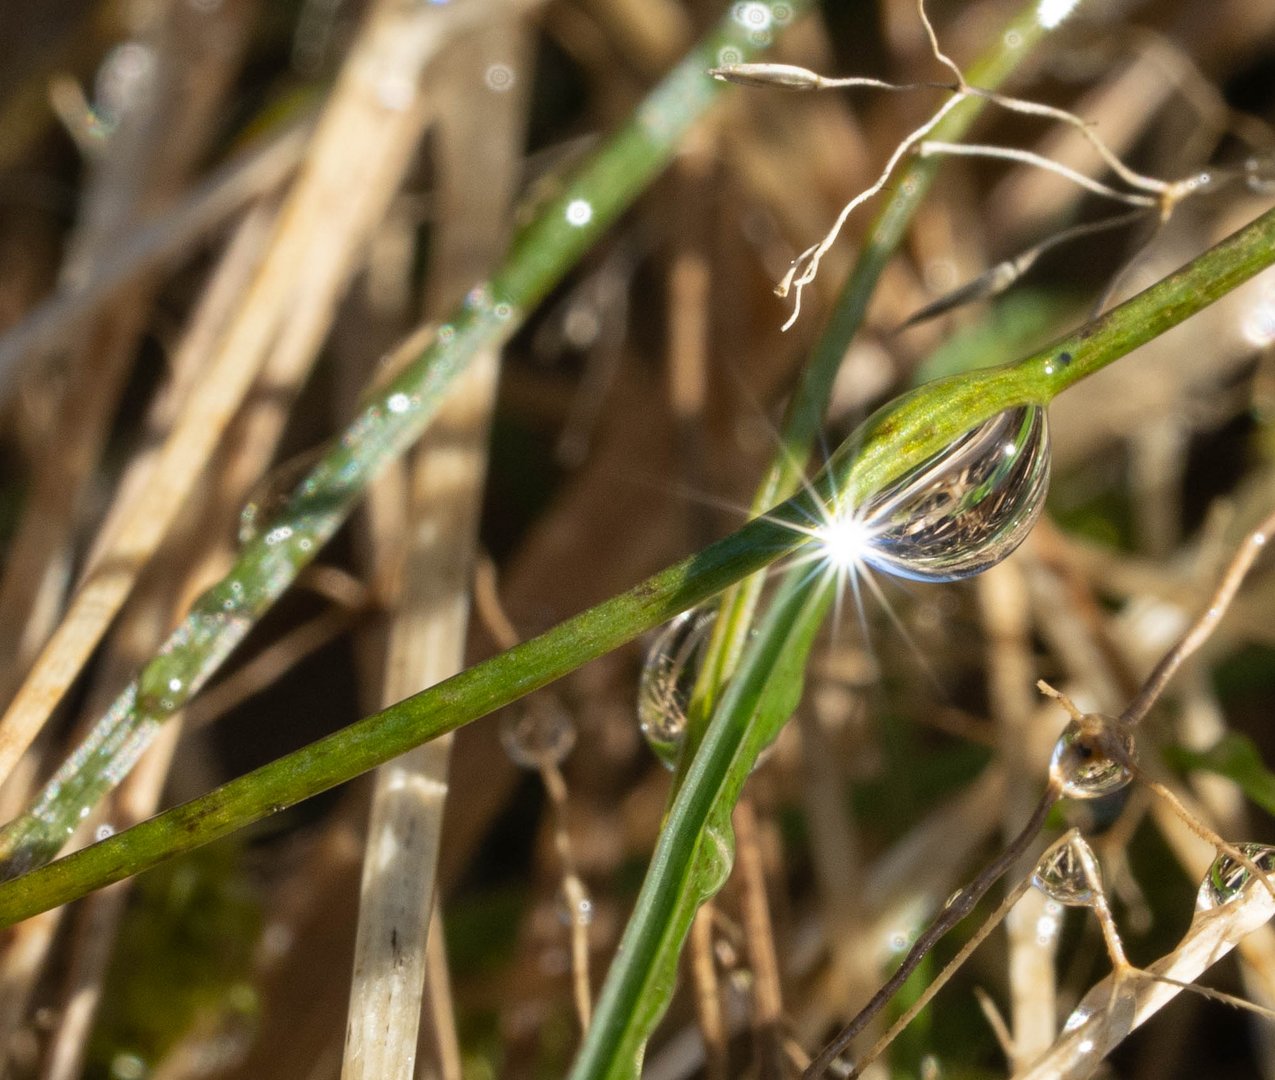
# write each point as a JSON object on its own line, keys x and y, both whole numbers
{"x": 574, "y": 907}
{"x": 1063, "y": 877}
{"x": 1092, "y": 757}
{"x": 668, "y": 677}
{"x": 966, "y": 508}
{"x": 539, "y": 735}
{"x": 1228, "y": 878}
{"x": 271, "y": 493}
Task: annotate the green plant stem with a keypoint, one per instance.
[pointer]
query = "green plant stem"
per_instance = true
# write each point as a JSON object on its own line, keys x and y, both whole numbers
{"x": 893, "y": 440}
{"x": 541, "y": 254}
{"x": 810, "y": 399}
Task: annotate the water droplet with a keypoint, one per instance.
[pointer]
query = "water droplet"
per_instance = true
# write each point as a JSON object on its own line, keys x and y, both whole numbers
{"x": 579, "y": 913}
{"x": 1063, "y": 876}
{"x": 1227, "y": 878}
{"x": 752, "y": 15}
{"x": 499, "y": 77}
{"x": 104, "y": 832}
{"x": 1091, "y": 759}
{"x": 966, "y": 508}
{"x": 122, "y": 81}
{"x": 668, "y": 677}
{"x": 400, "y": 403}
{"x": 271, "y": 493}
{"x": 579, "y": 212}
{"x": 128, "y": 1067}
{"x": 540, "y": 735}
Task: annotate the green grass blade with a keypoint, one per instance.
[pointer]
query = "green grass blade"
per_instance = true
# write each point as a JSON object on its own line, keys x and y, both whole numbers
{"x": 696, "y": 846}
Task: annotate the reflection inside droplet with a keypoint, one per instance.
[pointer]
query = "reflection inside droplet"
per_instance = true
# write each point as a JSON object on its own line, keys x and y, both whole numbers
{"x": 963, "y": 510}
{"x": 1228, "y": 878}
{"x": 1091, "y": 759}
{"x": 271, "y": 494}
{"x": 1063, "y": 876}
{"x": 668, "y": 677}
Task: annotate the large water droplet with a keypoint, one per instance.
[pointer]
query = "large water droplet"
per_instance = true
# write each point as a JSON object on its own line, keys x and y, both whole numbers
{"x": 668, "y": 677}
{"x": 1227, "y": 878}
{"x": 967, "y": 507}
{"x": 1091, "y": 759}
{"x": 538, "y": 736}
{"x": 1062, "y": 874}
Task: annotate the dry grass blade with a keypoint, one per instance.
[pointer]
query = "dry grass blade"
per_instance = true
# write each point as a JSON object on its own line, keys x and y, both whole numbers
{"x": 427, "y": 629}
{"x": 255, "y": 174}
{"x": 147, "y": 160}
{"x": 356, "y": 157}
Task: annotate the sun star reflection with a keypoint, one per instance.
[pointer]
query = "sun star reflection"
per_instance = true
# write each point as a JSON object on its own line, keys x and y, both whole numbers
{"x": 845, "y": 540}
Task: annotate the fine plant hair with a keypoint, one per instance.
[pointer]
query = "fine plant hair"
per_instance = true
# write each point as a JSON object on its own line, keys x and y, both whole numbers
{"x": 1150, "y": 193}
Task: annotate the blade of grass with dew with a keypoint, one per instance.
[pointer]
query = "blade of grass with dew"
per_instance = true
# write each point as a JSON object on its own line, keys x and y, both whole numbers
{"x": 640, "y": 983}
{"x": 687, "y": 867}
{"x": 540, "y": 256}
{"x": 896, "y": 438}
{"x": 696, "y": 848}
{"x": 810, "y": 398}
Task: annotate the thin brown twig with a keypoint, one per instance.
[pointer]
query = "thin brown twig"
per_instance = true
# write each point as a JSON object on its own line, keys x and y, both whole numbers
{"x": 768, "y": 1005}
{"x": 708, "y": 1002}
{"x": 1203, "y": 627}
{"x": 950, "y": 969}
{"x": 955, "y": 910}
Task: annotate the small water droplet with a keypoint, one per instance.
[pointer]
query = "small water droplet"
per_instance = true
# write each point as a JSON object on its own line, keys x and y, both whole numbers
{"x": 1227, "y": 877}
{"x": 128, "y": 1067}
{"x": 579, "y": 212}
{"x": 668, "y": 677}
{"x": 537, "y": 736}
{"x": 499, "y": 77}
{"x": 966, "y": 508}
{"x": 752, "y": 15}
{"x": 1090, "y": 760}
{"x": 272, "y": 492}
{"x": 1063, "y": 876}
{"x": 104, "y": 832}
{"x": 579, "y": 913}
